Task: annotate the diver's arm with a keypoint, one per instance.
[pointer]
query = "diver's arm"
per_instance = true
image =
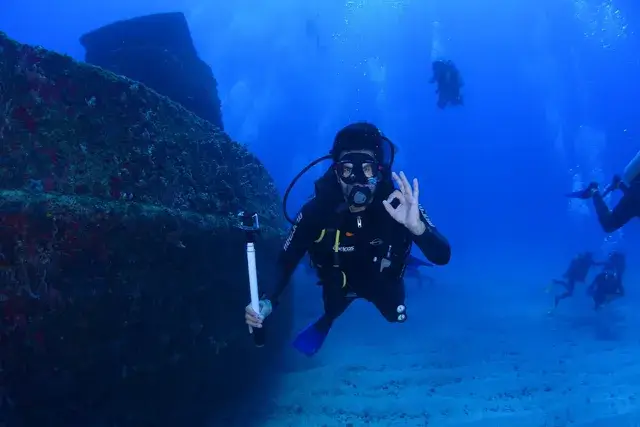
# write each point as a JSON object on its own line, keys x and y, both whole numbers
{"x": 619, "y": 216}
{"x": 300, "y": 238}
{"x": 431, "y": 242}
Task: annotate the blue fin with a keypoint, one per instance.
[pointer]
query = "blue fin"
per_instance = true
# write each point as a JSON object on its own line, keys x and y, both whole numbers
{"x": 310, "y": 340}
{"x": 580, "y": 194}
{"x": 583, "y": 194}
{"x": 415, "y": 262}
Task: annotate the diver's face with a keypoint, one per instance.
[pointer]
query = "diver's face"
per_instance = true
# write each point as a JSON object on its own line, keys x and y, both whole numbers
{"x": 357, "y": 172}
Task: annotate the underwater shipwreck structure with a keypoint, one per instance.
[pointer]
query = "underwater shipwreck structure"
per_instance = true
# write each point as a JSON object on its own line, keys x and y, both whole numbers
{"x": 158, "y": 50}
{"x": 122, "y": 276}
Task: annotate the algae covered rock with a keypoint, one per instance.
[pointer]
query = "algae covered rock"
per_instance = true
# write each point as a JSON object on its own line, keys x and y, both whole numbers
{"x": 158, "y": 51}
{"x": 122, "y": 276}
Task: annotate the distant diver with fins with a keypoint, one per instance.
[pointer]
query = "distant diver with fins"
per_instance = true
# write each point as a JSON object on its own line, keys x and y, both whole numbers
{"x": 629, "y": 205}
{"x": 358, "y": 230}
{"x": 576, "y": 273}
{"x": 448, "y": 81}
{"x": 607, "y": 286}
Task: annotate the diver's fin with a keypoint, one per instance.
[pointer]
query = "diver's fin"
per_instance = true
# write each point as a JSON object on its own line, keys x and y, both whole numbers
{"x": 311, "y": 339}
{"x": 413, "y": 261}
{"x": 580, "y": 194}
{"x": 583, "y": 194}
{"x": 549, "y": 287}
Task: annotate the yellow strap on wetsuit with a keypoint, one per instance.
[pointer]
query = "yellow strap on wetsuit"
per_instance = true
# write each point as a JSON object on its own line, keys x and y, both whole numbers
{"x": 336, "y": 243}
{"x": 336, "y": 246}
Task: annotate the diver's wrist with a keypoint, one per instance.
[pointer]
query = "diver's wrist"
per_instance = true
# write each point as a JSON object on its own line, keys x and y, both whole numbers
{"x": 418, "y": 229}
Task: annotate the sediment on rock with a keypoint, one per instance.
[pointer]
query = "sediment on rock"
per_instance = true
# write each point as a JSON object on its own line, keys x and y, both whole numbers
{"x": 122, "y": 276}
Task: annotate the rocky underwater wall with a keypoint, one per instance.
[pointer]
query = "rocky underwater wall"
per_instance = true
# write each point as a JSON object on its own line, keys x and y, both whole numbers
{"x": 122, "y": 277}
{"x": 158, "y": 50}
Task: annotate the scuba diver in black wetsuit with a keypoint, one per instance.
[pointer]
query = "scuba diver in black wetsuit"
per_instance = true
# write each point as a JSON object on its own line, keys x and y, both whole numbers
{"x": 576, "y": 273}
{"x": 606, "y": 287}
{"x": 449, "y": 82}
{"x": 608, "y": 284}
{"x": 358, "y": 230}
{"x": 629, "y": 205}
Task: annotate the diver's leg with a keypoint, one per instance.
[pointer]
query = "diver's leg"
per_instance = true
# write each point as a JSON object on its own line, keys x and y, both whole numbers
{"x": 310, "y": 340}
{"x": 560, "y": 282}
{"x": 569, "y": 286}
{"x": 627, "y": 208}
{"x": 389, "y": 301}
{"x": 598, "y": 298}
{"x": 335, "y": 303}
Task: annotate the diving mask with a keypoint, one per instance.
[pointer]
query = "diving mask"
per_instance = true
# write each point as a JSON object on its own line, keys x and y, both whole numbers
{"x": 358, "y": 168}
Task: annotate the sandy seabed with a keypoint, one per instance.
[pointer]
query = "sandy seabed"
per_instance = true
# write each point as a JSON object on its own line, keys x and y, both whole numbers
{"x": 458, "y": 363}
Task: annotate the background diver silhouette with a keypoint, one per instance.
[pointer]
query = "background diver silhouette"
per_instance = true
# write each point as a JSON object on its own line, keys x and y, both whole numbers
{"x": 448, "y": 81}
{"x": 606, "y": 287}
{"x": 610, "y": 282}
{"x": 576, "y": 273}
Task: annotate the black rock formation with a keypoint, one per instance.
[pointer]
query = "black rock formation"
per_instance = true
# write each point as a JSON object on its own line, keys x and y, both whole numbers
{"x": 158, "y": 51}
{"x": 122, "y": 277}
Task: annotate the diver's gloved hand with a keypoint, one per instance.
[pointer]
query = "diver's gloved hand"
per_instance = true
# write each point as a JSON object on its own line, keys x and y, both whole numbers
{"x": 615, "y": 182}
{"x": 253, "y": 319}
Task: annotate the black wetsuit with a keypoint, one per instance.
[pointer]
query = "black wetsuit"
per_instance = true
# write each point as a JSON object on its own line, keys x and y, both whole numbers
{"x": 577, "y": 272}
{"x": 449, "y": 82}
{"x": 627, "y": 208}
{"x": 367, "y": 262}
{"x": 616, "y": 265}
{"x": 606, "y": 287}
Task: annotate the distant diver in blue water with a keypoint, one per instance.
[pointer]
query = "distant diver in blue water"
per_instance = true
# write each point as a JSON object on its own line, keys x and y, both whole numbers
{"x": 629, "y": 205}
{"x": 312, "y": 32}
{"x": 358, "y": 230}
{"x": 605, "y": 288}
{"x": 607, "y": 285}
{"x": 448, "y": 81}
{"x": 576, "y": 273}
